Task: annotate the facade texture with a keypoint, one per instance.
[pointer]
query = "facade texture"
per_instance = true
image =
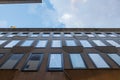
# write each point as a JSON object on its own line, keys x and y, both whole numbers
{"x": 59, "y": 54}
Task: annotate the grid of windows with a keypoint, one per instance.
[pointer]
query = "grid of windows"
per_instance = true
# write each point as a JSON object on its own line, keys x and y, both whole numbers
{"x": 12, "y": 61}
{"x": 77, "y": 61}
{"x": 55, "y": 62}
{"x": 33, "y": 62}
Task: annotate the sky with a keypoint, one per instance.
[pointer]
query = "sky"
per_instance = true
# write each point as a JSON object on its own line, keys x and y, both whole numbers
{"x": 62, "y": 14}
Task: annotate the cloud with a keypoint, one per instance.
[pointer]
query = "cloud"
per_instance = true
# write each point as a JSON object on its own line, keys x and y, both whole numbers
{"x": 88, "y": 13}
{"x": 3, "y": 24}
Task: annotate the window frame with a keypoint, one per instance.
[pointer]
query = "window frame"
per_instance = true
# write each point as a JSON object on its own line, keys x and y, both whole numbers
{"x": 55, "y": 69}
{"x": 56, "y": 40}
{"x": 82, "y": 59}
{"x": 113, "y": 59}
{"x": 42, "y": 47}
{"x": 28, "y": 58}
{"x": 10, "y": 57}
{"x": 95, "y": 64}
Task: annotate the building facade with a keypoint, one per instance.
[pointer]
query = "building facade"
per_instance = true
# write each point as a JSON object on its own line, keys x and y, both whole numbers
{"x": 19, "y": 1}
{"x": 59, "y": 54}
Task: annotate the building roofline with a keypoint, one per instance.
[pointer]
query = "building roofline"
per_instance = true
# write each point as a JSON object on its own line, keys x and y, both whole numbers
{"x": 61, "y": 29}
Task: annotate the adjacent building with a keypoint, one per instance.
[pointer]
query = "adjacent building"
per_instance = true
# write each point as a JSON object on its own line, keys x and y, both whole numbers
{"x": 59, "y": 54}
{"x": 19, "y": 1}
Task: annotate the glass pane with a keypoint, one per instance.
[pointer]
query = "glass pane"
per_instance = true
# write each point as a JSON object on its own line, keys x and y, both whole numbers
{"x": 45, "y": 35}
{"x": 1, "y": 55}
{"x": 85, "y": 43}
{"x": 90, "y": 35}
{"x": 33, "y": 62}
{"x": 56, "y": 35}
{"x": 23, "y": 34}
{"x": 99, "y": 43}
{"x": 115, "y": 57}
{"x": 113, "y": 43}
{"x": 56, "y": 43}
{"x": 70, "y": 43}
{"x": 67, "y": 35}
{"x": 1, "y": 35}
{"x": 2, "y": 41}
{"x": 55, "y": 61}
{"x": 42, "y": 43}
{"x": 101, "y": 35}
{"x": 12, "y": 43}
{"x": 34, "y": 35}
{"x": 27, "y": 43}
{"x": 112, "y": 35}
{"x": 98, "y": 61}
{"x": 77, "y": 61}
{"x": 12, "y": 61}
{"x": 11, "y": 35}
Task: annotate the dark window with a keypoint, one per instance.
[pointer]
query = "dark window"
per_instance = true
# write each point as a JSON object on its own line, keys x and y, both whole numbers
{"x": 33, "y": 62}
{"x": 12, "y": 61}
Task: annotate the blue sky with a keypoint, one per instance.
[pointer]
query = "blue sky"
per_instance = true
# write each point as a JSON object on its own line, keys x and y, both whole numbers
{"x": 62, "y": 14}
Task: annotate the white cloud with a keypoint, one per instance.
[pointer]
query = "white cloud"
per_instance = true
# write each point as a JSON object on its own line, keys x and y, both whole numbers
{"x": 88, "y": 13}
{"x": 3, "y": 24}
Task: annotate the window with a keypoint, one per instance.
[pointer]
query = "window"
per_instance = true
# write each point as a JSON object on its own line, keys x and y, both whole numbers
{"x": 70, "y": 43}
{"x": 42, "y": 43}
{"x": 12, "y": 61}
{"x": 113, "y": 43}
{"x": 27, "y": 43}
{"x": 45, "y": 35}
{"x": 12, "y": 43}
{"x": 11, "y": 35}
{"x": 85, "y": 43}
{"x": 115, "y": 58}
{"x": 1, "y": 35}
{"x": 55, "y": 62}
{"x": 35, "y": 35}
{"x": 23, "y": 34}
{"x": 90, "y": 35}
{"x": 101, "y": 35}
{"x": 33, "y": 62}
{"x": 111, "y": 35}
{"x": 67, "y": 35}
{"x": 77, "y": 61}
{"x": 98, "y": 61}
{"x": 56, "y": 35}
{"x": 78, "y": 34}
{"x": 2, "y": 41}
{"x": 56, "y": 44}
{"x": 1, "y": 55}
{"x": 99, "y": 43}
